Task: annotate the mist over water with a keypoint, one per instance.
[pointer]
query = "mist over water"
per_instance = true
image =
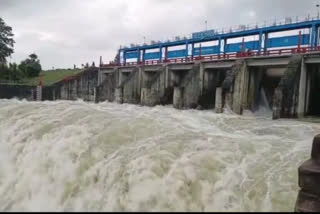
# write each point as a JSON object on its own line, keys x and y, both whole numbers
{"x": 77, "y": 156}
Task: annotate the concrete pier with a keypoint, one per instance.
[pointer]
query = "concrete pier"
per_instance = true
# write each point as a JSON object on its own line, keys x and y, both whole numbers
{"x": 309, "y": 181}
{"x": 39, "y": 93}
{"x": 219, "y": 102}
{"x": 119, "y": 95}
{"x": 178, "y": 95}
{"x": 149, "y": 97}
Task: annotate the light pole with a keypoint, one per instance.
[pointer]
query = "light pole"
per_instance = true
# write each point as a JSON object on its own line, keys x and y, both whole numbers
{"x": 206, "y": 22}
{"x": 318, "y": 5}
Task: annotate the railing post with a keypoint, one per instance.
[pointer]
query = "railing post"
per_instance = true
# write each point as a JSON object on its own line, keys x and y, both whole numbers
{"x": 166, "y": 54}
{"x": 219, "y": 46}
{"x": 160, "y": 53}
{"x": 187, "y": 50}
{"x": 260, "y": 42}
{"x": 299, "y": 42}
{"x": 192, "y": 51}
{"x": 143, "y": 56}
{"x": 309, "y": 181}
{"x": 314, "y": 36}
{"x": 266, "y": 42}
{"x": 139, "y": 56}
{"x": 124, "y": 57}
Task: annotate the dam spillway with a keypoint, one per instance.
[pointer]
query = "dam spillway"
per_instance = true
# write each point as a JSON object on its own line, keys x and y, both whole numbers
{"x": 288, "y": 84}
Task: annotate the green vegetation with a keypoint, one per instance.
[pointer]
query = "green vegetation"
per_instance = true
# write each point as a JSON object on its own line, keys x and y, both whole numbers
{"x": 6, "y": 41}
{"x": 28, "y": 68}
{"x": 51, "y": 76}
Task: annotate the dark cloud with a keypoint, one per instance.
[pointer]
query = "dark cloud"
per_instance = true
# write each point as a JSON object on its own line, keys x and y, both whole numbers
{"x": 70, "y": 32}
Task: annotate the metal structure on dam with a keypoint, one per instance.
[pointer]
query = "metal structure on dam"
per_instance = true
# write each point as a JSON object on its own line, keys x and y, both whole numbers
{"x": 263, "y": 44}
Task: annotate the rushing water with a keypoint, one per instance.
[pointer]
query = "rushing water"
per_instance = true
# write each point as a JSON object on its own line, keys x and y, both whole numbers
{"x": 76, "y": 156}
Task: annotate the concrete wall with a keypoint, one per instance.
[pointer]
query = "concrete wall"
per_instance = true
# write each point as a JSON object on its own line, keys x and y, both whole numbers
{"x": 287, "y": 93}
{"x": 194, "y": 85}
{"x": 152, "y": 85}
{"x": 17, "y": 91}
{"x": 81, "y": 87}
{"x": 106, "y": 89}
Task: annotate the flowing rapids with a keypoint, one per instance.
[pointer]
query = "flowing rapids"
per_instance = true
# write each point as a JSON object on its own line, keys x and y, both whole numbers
{"x": 77, "y": 156}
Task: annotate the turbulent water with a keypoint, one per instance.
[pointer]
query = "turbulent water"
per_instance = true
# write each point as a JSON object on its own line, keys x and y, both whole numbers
{"x": 76, "y": 156}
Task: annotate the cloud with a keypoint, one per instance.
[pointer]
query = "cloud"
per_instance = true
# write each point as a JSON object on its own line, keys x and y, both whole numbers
{"x": 70, "y": 32}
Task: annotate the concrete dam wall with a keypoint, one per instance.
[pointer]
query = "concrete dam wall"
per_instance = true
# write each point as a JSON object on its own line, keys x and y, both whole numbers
{"x": 287, "y": 85}
{"x": 284, "y": 84}
{"x": 9, "y": 91}
{"x": 81, "y": 86}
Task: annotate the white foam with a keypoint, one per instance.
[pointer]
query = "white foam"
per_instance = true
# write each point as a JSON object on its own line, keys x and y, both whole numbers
{"x": 77, "y": 156}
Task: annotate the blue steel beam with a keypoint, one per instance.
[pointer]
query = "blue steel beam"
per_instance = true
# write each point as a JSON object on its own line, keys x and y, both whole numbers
{"x": 260, "y": 41}
{"x": 219, "y": 46}
{"x": 160, "y": 53}
{"x": 314, "y": 35}
{"x": 187, "y": 49}
{"x": 265, "y": 30}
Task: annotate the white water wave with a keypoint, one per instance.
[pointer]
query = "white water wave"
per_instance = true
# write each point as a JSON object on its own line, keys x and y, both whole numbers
{"x": 77, "y": 156}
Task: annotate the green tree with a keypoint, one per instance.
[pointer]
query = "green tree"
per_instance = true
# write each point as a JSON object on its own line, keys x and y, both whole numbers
{"x": 6, "y": 41}
{"x": 30, "y": 67}
{"x": 15, "y": 73}
{"x": 4, "y": 71}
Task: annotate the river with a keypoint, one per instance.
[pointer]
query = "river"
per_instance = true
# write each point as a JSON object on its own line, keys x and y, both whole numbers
{"x": 77, "y": 156}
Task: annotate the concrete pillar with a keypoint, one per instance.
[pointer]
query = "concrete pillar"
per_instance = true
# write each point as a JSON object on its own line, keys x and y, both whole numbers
{"x": 149, "y": 97}
{"x": 201, "y": 82}
{"x": 309, "y": 181}
{"x": 140, "y": 80}
{"x": 178, "y": 97}
{"x": 167, "y": 77}
{"x": 252, "y": 90}
{"x": 39, "y": 93}
{"x": 33, "y": 96}
{"x": 308, "y": 91}
{"x": 95, "y": 94}
{"x": 54, "y": 94}
{"x": 118, "y": 94}
{"x": 219, "y": 102}
{"x": 302, "y": 90}
{"x": 120, "y": 78}
{"x": 241, "y": 85}
{"x": 245, "y": 88}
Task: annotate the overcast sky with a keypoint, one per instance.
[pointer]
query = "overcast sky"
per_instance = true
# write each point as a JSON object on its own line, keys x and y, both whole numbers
{"x": 67, "y": 32}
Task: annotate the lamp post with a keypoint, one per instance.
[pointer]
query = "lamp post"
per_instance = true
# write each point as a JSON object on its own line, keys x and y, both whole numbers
{"x": 318, "y": 5}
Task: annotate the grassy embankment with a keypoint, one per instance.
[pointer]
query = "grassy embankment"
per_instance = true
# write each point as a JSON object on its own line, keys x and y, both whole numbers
{"x": 51, "y": 76}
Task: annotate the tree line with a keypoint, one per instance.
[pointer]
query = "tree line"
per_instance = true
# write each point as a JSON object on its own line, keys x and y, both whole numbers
{"x": 28, "y": 68}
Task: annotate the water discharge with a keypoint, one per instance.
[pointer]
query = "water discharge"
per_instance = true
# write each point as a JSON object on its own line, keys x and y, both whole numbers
{"x": 76, "y": 156}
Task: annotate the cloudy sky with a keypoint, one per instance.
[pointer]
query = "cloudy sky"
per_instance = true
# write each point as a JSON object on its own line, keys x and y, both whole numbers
{"x": 67, "y": 32}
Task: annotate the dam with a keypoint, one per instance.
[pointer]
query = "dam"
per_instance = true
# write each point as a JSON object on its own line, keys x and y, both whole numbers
{"x": 273, "y": 66}
{"x": 274, "y": 70}
{"x": 146, "y": 132}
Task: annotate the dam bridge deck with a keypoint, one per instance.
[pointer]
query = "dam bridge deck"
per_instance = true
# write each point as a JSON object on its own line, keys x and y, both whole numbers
{"x": 222, "y": 57}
